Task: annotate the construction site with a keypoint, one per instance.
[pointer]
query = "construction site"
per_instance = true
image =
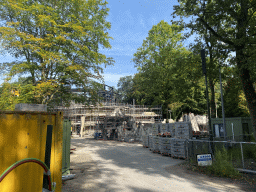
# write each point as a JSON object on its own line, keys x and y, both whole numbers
{"x": 113, "y": 120}
{"x": 108, "y": 140}
{"x": 110, "y": 117}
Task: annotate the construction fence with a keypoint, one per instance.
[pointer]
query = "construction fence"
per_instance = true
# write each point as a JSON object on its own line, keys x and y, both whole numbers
{"x": 241, "y": 154}
{"x": 174, "y": 139}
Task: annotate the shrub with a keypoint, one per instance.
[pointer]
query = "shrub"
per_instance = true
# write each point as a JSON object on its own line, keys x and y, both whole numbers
{"x": 222, "y": 166}
{"x": 249, "y": 151}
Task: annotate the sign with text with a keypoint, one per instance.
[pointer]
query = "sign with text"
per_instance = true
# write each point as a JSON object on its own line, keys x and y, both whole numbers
{"x": 204, "y": 160}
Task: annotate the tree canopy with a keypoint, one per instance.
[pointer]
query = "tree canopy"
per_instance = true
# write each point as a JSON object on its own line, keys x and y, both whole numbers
{"x": 56, "y": 44}
{"x": 233, "y": 23}
{"x": 169, "y": 73}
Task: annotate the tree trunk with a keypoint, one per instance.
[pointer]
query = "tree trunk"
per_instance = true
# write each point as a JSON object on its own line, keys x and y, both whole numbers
{"x": 247, "y": 85}
{"x": 242, "y": 63}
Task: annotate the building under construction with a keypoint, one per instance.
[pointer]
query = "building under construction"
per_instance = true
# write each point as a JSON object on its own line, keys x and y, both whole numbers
{"x": 109, "y": 115}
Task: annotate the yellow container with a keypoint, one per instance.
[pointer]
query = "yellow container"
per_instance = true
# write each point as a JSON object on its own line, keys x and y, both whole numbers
{"x": 23, "y": 135}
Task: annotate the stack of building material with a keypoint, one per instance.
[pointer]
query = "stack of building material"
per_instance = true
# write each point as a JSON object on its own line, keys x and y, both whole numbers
{"x": 154, "y": 130}
{"x": 164, "y": 143}
{"x": 169, "y": 146}
{"x": 183, "y": 130}
{"x": 198, "y": 122}
{"x": 201, "y": 120}
{"x": 150, "y": 142}
{"x": 191, "y": 118}
{"x": 163, "y": 129}
{"x": 172, "y": 129}
{"x": 178, "y": 148}
{"x": 160, "y": 127}
{"x": 155, "y": 144}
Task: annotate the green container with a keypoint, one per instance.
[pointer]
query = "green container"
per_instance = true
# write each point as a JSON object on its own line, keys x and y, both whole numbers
{"x": 66, "y": 147}
{"x": 242, "y": 126}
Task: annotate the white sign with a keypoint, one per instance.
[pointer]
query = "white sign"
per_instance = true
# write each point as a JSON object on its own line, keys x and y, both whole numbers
{"x": 204, "y": 160}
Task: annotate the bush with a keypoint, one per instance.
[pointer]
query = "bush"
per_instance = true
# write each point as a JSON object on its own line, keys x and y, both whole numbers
{"x": 249, "y": 151}
{"x": 222, "y": 166}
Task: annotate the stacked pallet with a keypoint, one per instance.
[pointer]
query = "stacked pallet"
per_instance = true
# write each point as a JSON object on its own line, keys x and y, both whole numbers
{"x": 169, "y": 147}
{"x": 160, "y": 127}
{"x": 178, "y": 148}
{"x": 183, "y": 130}
{"x": 155, "y": 144}
{"x": 150, "y": 142}
{"x": 163, "y": 129}
{"x": 154, "y": 130}
{"x": 171, "y": 127}
{"x": 164, "y": 145}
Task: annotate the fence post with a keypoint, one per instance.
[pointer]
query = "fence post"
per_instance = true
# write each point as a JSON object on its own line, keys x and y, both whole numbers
{"x": 241, "y": 145}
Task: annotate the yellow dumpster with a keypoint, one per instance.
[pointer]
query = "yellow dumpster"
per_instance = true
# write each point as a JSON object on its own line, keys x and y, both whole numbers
{"x": 23, "y": 135}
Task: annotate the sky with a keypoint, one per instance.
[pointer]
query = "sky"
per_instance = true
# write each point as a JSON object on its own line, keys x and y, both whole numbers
{"x": 130, "y": 23}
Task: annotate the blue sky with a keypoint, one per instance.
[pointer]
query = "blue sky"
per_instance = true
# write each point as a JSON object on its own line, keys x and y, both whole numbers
{"x": 130, "y": 22}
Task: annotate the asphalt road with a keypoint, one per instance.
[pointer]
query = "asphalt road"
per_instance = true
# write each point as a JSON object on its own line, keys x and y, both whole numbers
{"x": 118, "y": 166}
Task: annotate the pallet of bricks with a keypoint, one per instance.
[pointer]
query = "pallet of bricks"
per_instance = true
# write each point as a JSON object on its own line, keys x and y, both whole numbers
{"x": 164, "y": 145}
{"x": 171, "y": 130}
{"x": 183, "y": 132}
{"x": 154, "y": 131}
{"x": 164, "y": 139}
{"x": 150, "y": 138}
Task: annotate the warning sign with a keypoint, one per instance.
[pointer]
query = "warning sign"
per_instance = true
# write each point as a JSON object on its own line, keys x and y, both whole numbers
{"x": 204, "y": 160}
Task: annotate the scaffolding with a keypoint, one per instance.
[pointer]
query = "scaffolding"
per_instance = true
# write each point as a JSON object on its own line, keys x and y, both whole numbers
{"x": 109, "y": 114}
{"x": 93, "y": 114}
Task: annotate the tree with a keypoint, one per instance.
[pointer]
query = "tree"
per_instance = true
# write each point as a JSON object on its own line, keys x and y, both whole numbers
{"x": 237, "y": 20}
{"x": 125, "y": 86}
{"x": 168, "y": 72}
{"x": 16, "y": 92}
{"x": 234, "y": 100}
{"x": 58, "y": 43}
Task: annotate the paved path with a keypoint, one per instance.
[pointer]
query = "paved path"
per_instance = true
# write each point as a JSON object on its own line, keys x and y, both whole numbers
{"x": 116, "y": 166}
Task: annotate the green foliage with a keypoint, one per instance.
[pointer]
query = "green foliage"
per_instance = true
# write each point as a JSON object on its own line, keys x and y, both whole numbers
{"x": 234, "y": 99}
{"x": 17, "y": 92}
{"x": 58, "y": 42}
{"x": 233, "y": 23}
{"x": 125, "y": 87}
{"x": 222, "y": 166}
{"x": 168, "y": 73}
{"x": 249, "y": 151}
